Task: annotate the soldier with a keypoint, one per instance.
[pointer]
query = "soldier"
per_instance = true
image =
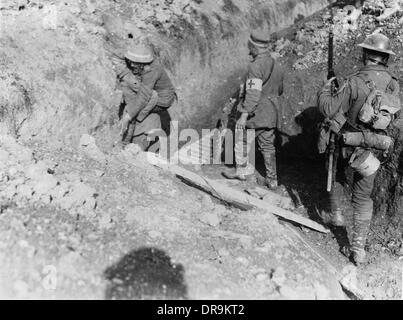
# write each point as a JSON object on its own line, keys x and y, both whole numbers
{"x": 147, "y": 92}
{"x": 262, "y": 87}
{"x": 352, "y": 102}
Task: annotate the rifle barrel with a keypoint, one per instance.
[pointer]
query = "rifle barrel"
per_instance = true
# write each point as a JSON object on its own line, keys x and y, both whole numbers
{"x": 330, "y": 53}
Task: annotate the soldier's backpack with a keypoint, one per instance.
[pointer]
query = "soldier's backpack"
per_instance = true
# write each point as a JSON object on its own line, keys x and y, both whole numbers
{"x": 380, "y": 108}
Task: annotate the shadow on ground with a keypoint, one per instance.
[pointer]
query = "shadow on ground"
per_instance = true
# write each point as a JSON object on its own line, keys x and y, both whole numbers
{"x": 145, "y": 274}
{"x": 302, "y": 171}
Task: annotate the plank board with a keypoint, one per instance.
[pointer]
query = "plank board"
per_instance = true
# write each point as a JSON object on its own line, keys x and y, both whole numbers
{"x": 232, "y": 195}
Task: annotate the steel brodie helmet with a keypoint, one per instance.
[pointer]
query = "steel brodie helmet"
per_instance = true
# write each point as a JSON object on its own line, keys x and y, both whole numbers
{"x": 140, "y": 54}
{"x": 377, "y": 42}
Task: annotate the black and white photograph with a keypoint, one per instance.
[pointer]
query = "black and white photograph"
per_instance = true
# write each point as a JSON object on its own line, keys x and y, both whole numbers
{"x": 171, "y": 152}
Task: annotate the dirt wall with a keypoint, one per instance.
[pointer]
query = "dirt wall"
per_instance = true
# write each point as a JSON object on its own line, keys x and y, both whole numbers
{"x": 57, "y": 79}
{"x": 58, "y": 82}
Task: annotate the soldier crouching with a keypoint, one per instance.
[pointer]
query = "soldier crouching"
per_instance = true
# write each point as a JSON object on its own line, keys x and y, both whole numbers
{"x": 147, "y": 92}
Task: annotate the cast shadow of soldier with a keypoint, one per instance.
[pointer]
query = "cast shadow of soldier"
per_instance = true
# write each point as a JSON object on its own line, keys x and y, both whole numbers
{"x": 303, "y": 171}
{"x": 145, "y": 274}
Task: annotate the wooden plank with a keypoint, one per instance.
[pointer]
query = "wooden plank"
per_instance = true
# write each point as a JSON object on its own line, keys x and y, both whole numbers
{"x": 232, "y": 195}
{"x": 271, "y": 197}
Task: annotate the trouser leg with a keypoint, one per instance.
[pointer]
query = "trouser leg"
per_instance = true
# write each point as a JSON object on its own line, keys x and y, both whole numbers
{"x": 265, "y": 141}
{"x": 244, "y": 152}
{"x": 363, "y": 210}
{"x": 152, "y": 121}
{"x": 128, "y": 137}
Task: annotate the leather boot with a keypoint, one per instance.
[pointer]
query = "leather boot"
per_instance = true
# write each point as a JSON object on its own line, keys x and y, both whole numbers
{"x": 271, "y": 183}
{"x": 360, "y": 233}
{"x": 232, "y": 175}
{"x": 271, "y": 170}
{"x": 243, "y": 173}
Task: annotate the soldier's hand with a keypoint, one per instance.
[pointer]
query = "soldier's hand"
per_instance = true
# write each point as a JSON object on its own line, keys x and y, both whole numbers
{"x": 241, "y": 123}
{"x": 124, "y": 123}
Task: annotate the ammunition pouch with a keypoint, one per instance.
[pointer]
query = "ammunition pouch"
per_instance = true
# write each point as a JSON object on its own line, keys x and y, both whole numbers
{"x": 337, "y": 122}
{"x": 380, "y": 107}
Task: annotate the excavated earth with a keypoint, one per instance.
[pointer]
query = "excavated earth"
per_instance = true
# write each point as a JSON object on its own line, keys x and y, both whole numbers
{"x": 82, "y": 218}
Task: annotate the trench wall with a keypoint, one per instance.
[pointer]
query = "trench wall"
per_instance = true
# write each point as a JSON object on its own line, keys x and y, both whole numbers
{"x": 57, "y": 79}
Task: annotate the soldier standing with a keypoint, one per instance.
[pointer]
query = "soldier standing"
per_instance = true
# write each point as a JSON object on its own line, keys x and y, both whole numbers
{"x": 262, "y": 87}
{"x": 147, "y": 92}
{"x": 367, "y": 102}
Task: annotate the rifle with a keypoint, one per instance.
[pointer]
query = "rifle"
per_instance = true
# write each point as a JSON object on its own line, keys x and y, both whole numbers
{"x": 330, "y": 176}
{"x": 222, "y": 127}
{"x": 333, "y": 87}
{"x": 330, "y": 69}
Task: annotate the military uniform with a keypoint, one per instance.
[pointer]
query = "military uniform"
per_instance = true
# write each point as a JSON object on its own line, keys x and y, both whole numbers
{"x": 263, "y": 85}
{"x": 350, "y": 99}
{"x": 147, "y": 97}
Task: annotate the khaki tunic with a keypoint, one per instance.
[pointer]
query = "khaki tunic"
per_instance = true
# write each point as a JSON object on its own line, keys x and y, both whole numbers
{"x": 263, "y": 86}
{"x": 137, "y": 89}
{"x": 350, "y": 98}
{"x": 353, "y": 93}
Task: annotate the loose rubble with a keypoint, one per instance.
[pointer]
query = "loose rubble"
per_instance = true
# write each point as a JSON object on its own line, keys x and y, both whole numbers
{"x": 311, "y": 37}
{"x": 90, "y": 149}
{"x": 25, "y": 181}
{"x": 135, "y": 204}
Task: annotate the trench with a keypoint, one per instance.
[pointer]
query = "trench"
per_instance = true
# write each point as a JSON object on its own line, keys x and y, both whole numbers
{"x": 297, "y": 156}
{"x": 68, "y": 88}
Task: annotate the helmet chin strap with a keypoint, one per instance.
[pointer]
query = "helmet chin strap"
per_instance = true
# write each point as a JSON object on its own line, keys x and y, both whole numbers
{"x": 377, "y": 60}
{"x": 374, "y": 60}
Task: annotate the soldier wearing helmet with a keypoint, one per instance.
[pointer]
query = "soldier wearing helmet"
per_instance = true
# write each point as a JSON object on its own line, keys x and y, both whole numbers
{"x": 147, "y": 92}
{"x": 258, "y": 111}
{"x": 348, "y": 103}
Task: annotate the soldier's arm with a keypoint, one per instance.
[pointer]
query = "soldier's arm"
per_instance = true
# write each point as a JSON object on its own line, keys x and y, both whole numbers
{"x": 151, "y": 77}
{"x": 130, "y": 81}
{"x": 253, "y": 89}
{"x": 130, "y": 98}
{"x": 119, "y": 66}
{"x": 329, "y": 103}
{"x": 136, "y": 101}
{"x": 393, "y": 87}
